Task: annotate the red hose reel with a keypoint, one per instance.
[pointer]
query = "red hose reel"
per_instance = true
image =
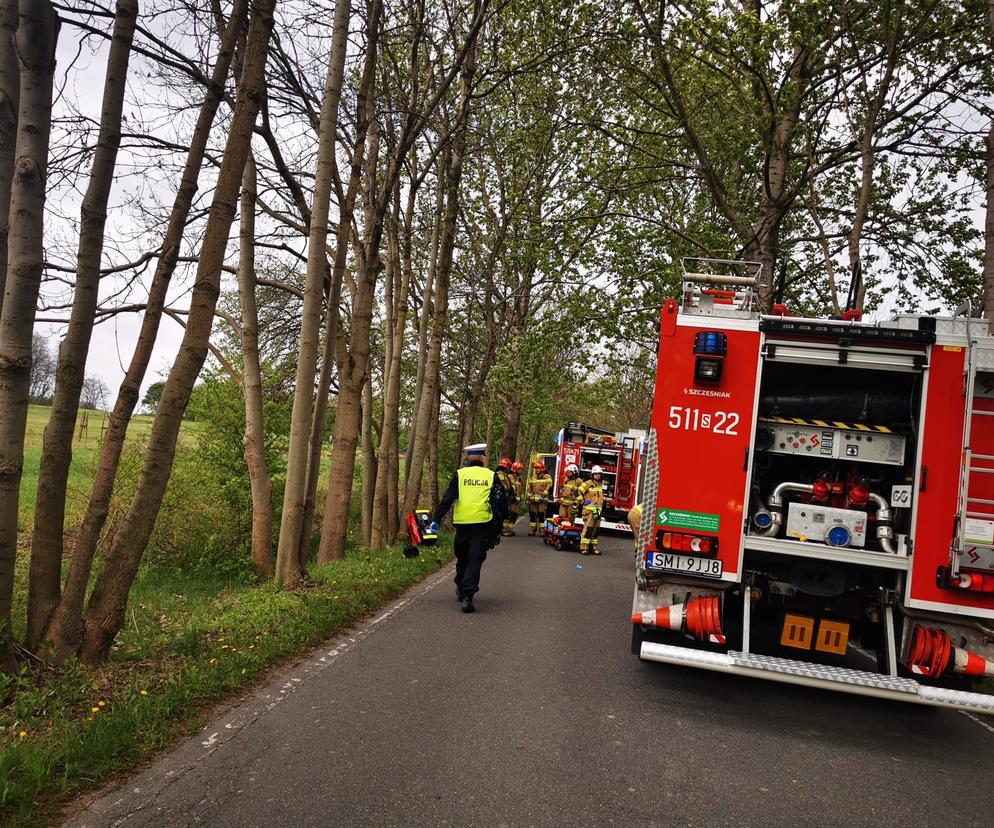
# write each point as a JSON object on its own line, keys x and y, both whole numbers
{"x": 932, "y": 653}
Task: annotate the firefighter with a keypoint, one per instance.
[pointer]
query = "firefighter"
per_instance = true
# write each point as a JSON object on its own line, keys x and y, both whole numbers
{"x": 592, "y": 496}
{"x": 472, "y": 490}
{"x": 538, "y": 495}
{"x": 506, "y": 480}
{"x": 569, "y": 496}
{"x": 515, "y": 504}
{"x": 635, "y": 521}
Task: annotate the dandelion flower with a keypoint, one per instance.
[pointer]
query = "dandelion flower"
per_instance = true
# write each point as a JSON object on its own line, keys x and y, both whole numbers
{"x": 94, "y": 709}
{"x": 23, "y": 733}
{"x": 143, "y": 692}
{"x": 102, "y": 703}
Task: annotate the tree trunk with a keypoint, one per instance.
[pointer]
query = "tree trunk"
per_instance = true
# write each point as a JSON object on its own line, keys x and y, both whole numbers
{"x": 66, "y": 629}
{"x": 254, "y": 440}
{"x": 369, "y": 462}
{"x": 320, "y": 415}
{"x": 105, "y": 612}
{"x": 427, "y": 311}
{"x": 512, "y": 425}
{"x": 36, "y": 39}
{"x": 45, "y": 578}
{"x": 291, "y": 523}
{"x": 9, "y": 95}
{"x": 447, "y": 233}
{"x": 433, "y": 450}
{"x": 353, "y": 363}
{"x": 385, "y": 497}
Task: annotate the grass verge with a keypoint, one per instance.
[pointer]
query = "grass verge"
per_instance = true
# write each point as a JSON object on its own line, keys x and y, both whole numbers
{"x": 190, "y": 642}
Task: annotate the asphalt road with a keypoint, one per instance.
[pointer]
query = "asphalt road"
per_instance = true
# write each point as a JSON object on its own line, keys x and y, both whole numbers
{"x": 533, "y": 712}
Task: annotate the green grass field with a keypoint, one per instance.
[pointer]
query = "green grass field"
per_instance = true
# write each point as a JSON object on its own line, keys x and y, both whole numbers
{"x": 90, "y": 426}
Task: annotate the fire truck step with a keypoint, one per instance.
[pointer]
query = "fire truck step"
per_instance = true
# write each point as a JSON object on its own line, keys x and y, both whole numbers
{"x": 960, "y": 699}
{"x": 817, "y": 675}
{"x": 823, "y": 672}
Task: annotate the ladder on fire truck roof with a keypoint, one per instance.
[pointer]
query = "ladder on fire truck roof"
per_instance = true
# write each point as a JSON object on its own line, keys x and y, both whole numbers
{"x": 720, "y": 287}
{"x": 970, "y": 507}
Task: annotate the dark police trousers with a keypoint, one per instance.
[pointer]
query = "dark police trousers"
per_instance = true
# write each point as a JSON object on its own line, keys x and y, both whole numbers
{"x": 472, "y": 541}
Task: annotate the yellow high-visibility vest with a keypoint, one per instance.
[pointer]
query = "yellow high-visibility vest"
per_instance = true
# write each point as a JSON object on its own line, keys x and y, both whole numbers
{"x": 473, "y": 502}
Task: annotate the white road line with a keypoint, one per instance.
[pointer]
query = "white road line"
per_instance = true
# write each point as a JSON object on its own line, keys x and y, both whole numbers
{"x": 973, "y": 718}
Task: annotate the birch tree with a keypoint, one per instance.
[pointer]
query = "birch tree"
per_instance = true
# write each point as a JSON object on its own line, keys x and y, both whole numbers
{"x": 105, "y": 611}
{"x": 44, "y": 584}
{"x": 66, "y": 629}
{"x": 288, "y": 565}
{"x": 37, "y": 34}
{"x": 9, "y": 95}
{"x": 254, "y": 439}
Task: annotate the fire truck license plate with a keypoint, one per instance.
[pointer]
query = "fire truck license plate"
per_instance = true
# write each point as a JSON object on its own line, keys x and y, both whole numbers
{"x": 687, "y": 564}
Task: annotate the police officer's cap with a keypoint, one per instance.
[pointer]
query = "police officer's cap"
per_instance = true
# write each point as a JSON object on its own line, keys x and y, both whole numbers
{"x": 475, "y": 450}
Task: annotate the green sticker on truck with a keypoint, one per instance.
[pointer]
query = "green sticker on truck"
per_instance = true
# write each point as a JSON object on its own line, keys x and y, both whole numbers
{"x": 679, "y": 519}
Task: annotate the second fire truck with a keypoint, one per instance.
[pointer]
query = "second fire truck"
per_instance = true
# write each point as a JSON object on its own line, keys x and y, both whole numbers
{"x": 620, "y": 456}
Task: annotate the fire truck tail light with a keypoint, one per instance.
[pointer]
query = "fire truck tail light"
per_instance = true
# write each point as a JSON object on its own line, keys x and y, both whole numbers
{"x": 680, "y": 542}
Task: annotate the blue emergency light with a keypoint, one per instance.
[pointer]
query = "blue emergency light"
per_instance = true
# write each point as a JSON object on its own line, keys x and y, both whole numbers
{"x": 711, "y": 343}
{"x": 710, "y": 348}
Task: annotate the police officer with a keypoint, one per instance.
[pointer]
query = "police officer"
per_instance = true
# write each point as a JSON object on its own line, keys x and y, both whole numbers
{"x": 471, "y": 490}
{"x": 592, "y": 494}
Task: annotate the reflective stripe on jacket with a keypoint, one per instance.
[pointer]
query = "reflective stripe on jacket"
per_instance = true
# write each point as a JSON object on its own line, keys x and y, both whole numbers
{"x": 538, "y": 487}
{"x": 592, "y": 493}
{"x": 570, "y": 492}
{"x": 473, "y": 502}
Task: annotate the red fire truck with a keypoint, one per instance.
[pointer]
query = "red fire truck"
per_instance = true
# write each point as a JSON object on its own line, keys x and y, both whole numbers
{"x": 819, "y": 497}
{"x": 619, "y": 454}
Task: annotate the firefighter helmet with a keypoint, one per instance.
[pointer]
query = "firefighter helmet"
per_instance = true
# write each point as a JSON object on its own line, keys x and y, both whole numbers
{"x": 539, "y": 466}
{"x": 517, "y": 466}
{"x": 505, "y": 463}
{"x": 596, "y": 470}
{"x": 572, "y": 470}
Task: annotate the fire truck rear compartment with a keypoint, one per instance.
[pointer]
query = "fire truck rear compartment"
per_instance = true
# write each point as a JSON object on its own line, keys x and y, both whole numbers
{"x": 826, "y": 458}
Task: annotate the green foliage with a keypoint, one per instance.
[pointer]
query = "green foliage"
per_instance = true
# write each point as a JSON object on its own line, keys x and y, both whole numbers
{"x": 205, "y": 522}
{"x": 152, "y": 396}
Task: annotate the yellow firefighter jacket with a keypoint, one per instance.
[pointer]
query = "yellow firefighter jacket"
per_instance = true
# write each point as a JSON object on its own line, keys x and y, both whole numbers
{"x": 538, "y": 487}
{"x": 592, "y": 492}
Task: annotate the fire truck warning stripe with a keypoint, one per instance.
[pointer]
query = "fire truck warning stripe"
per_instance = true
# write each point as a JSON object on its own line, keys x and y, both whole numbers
{"x": 879, "y": 429}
